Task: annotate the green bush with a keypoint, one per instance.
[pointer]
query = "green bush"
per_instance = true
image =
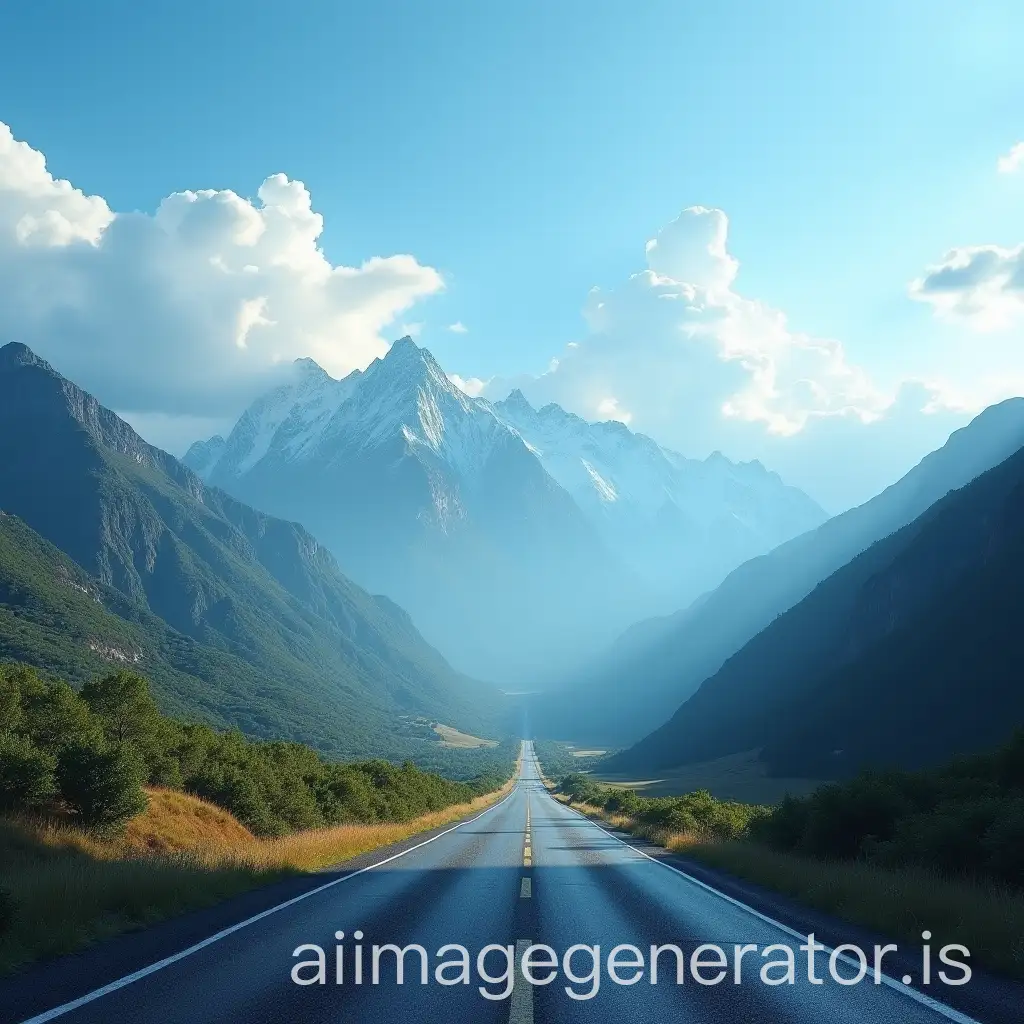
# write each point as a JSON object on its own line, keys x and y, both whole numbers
{"x": 623, "y": 801}
{"x": 966, "y": 818}
{"x": 102, "y": 784}
{"x": 26, "y": 774}
{"x": 697, "y": 813}
{"x": 7, "y": 910}
{"x": 842, "y": 818}
{"x": 1003, "y": 844}
{"x": 102, "y": 745}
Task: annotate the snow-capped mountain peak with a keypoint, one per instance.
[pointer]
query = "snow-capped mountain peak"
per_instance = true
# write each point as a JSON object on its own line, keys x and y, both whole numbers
{"x": 404, "y": 394}
{"x": 679, "y": 524}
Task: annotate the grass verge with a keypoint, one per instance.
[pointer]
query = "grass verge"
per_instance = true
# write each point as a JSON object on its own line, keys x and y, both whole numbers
{"x": 69, "y": 889}
{"x": 985, "y": 917}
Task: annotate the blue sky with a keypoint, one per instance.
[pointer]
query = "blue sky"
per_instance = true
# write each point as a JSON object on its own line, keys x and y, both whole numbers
{"x": 526, "y": 152}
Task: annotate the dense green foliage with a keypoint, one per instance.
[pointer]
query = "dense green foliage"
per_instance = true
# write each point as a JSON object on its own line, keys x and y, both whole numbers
{"x": 558, "y": 760}
{"x": 6, "y": 910}
{"x": 26, "y": 774}
{"x": 90, "y": 754}
{"x": 698, "y": 813}
{"x": 121, "y": 555}
{"x": 967, "y": 818}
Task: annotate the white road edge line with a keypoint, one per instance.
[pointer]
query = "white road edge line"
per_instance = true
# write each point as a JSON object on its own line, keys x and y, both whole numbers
{"x": 128, "y": 979}
{"x": 911, "y": 993}
{"x": 520, "y": 1010}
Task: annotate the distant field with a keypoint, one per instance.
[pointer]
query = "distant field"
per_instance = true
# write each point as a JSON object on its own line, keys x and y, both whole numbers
{"x": 461, "y": 740}
{"x": 739, "y": 777}
{"x": 588, "y": 753}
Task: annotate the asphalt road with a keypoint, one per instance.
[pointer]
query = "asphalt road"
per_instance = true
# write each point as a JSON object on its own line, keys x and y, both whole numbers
{"x": 528, "y": 870}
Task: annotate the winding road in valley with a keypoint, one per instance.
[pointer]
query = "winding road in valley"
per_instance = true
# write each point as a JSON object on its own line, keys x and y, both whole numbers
{"x": 526, "y": 871}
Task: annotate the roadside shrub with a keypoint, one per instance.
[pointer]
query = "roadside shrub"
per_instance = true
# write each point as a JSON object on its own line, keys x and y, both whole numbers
{"x": 841, "y": 818}
{"x": 965, "y": 818}
{"x": 7, "y": 909}
{"x": 26, "y": 774}
{"x": 698, "y": 813}
{"x": 623, "y": 801}
{"x": 102, "y": 784}
{"x": 783, "y": 826}
{"x": 948, "y": 837}
{"x": 1003, "y": 845}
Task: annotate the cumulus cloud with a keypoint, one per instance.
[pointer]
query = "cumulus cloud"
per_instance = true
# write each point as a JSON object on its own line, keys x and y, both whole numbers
{"x": 472, "y": 386}
{"x": 1013, "y": 160}
{"x": 692, "y": 249}
{"x": 192, "y": 309}
{"x": 458, "y": 327}
{"x": 982, "y": 285}
{"x": 677, "y": 351}
{"x": 677, "y": 344}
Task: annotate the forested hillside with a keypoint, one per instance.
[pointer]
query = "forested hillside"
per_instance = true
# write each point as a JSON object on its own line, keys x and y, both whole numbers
{"x": 88, "y": 755}
{"x": 240, "y": 618}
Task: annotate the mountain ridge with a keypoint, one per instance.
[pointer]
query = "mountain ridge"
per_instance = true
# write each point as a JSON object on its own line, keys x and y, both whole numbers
{"x": 639, "y": 683}
{"x": 546, "y": 568}
{"x": 335, "y": 664}
{"x": 905, "y": 656}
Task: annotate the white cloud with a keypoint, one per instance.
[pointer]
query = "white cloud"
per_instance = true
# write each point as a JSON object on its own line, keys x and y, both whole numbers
{"x": 190, "y": 310}
{"x": 413, "y": 330}
{"x": 682, "y": 350}
{"x": 692, "y": 249}
{"x": 458, "y": 327}
{"x": 609, "y": 409}
{"x": 1013, "y": 160}
{"x": 981, "y": 285}
{"x": 472, "y": 386}
{"x": 679, "y": 353}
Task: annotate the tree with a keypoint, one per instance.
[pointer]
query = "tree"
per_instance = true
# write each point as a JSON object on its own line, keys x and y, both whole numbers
{"x": 102, "y": 783}
{"x": 10, "y": 700}
{"x": 126, "y": 709}
{"x": 26, "y": 774}
{"x": 54, "y": 715}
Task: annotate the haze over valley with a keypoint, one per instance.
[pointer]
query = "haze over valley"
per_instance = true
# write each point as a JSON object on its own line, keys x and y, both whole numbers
{"x": 517, "y": 538}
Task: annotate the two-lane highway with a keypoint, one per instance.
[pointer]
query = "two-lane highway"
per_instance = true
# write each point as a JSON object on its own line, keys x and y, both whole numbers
{"x": 527, "y": 871}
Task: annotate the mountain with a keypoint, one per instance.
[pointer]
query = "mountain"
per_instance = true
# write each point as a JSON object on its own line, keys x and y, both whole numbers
{"x": 652, "y": 669}
{"x": 239, "y": 617}
{"x": 681, "y": 524}
{"x": 907, "y": 656}
{"x": 516, "y": 538}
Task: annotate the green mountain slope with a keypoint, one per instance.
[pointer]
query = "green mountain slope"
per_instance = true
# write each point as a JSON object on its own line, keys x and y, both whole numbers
{"x": 237, "y": 616}
{"x": 908, "y": 655}
{"x": 657, "y": 665}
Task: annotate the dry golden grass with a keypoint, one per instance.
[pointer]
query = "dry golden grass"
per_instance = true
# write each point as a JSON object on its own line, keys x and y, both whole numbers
{"x": 899, "y": 902}
{"x": 71, "y": 888}
{"x": 308, "y": 851}
{"x": 461, "y": 740}
{"x": 176, "y": 821}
